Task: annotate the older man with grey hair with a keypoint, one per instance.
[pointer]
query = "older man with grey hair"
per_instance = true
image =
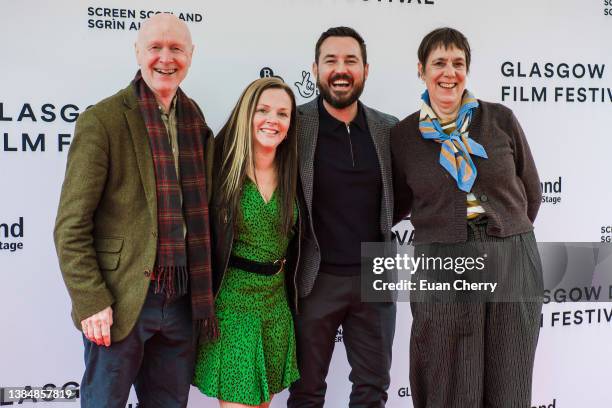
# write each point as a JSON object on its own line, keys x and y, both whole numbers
{"x": 132, "y": 232}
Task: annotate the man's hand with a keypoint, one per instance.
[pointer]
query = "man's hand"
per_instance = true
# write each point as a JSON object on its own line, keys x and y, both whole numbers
{"x": 96, "y": 328}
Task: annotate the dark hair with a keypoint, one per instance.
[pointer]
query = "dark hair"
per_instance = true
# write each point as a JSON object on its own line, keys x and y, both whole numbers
{"x": 444, "y": 37}
{"x": 341, "y": 32}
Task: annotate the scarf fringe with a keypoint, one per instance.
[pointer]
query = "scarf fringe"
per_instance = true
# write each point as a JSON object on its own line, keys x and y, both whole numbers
{"x": 207, "y": 329}
{"x": 171, "y": 280}
{"x": 174, "y": 252}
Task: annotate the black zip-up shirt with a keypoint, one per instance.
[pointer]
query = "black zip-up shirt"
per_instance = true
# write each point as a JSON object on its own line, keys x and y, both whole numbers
{"x": 347, "y": 190}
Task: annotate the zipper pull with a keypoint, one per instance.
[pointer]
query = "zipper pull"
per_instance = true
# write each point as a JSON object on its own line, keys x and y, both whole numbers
{"x": 348, "y": 129}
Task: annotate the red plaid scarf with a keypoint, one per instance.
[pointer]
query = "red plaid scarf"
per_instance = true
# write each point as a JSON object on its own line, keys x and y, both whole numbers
{"x": 179, "y": 260}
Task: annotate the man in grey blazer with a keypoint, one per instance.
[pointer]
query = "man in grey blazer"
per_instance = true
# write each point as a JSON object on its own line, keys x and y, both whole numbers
{"x": 345, "y": 169}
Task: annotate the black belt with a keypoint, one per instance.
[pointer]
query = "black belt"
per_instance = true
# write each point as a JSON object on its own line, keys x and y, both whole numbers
{"x": 261, "y": 268}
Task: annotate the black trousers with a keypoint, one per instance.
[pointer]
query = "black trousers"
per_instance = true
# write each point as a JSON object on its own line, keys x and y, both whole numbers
{"x": 157, "y": 357}
{"x": 480, "y": 354}
{"x": 368, "y": 330}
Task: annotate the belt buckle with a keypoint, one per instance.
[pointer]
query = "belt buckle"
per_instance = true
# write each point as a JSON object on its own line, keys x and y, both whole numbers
{"x": 282, "y": 265}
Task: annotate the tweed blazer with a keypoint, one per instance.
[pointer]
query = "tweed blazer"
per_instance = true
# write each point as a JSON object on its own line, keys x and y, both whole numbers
{"x": 379, "y": 125}
{"x": 106, "y": 226}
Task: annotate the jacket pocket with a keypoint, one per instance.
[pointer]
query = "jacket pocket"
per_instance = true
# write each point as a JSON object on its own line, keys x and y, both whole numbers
{"x": 108, "y": 252}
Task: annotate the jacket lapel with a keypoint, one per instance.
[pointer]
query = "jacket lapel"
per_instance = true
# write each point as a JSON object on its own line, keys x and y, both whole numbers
{"x": 308, "y": 130}
{"x": 140, "y": 140}
{"x": 378, "y": 137}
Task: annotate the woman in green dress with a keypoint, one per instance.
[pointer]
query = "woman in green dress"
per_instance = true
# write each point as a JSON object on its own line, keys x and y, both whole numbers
{"x": 255, "y": 246}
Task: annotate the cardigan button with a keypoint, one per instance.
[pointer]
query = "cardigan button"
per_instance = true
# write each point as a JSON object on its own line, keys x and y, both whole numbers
{"x": 147, "y": 273}
{"x": 484, "y": 198}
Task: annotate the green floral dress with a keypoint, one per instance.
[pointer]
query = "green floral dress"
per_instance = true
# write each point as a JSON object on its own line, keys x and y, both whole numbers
{"x": 255, "y": 355}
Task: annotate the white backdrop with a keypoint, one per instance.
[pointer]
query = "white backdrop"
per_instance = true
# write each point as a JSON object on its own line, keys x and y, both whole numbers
{"x": 55, "y": 62}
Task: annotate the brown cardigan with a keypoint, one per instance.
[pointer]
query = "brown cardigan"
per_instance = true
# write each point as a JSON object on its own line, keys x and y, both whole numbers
{"x": 507, "y": 184}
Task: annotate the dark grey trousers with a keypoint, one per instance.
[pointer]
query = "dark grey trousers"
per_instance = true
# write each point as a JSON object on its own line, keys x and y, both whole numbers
{"x": 368, "y": 330}
{"x": 157, "y": 357}
{"x": 480, "y": 354}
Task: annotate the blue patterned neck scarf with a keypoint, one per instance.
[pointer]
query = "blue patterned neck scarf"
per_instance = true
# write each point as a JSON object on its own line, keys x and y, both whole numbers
{"x": 457, "y": 147}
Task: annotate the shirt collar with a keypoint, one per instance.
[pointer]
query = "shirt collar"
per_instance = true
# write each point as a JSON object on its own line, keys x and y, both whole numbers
{"x": 172, "y": 107}
{"x": 326, "y": 117}
{"x": 426, "y": 111}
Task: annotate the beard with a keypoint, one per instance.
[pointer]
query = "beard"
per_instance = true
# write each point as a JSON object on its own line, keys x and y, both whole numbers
{"x": 343, "y": 100}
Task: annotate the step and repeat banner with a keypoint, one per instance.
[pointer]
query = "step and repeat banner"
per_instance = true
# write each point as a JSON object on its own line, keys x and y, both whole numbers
{"x": 548, "y": 60}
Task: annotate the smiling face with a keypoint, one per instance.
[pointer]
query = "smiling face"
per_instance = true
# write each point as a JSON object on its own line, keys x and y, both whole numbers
{"x": 340, "y": 71}
{"x": 163, "y": 52}
{"x": 271, "y": 119}
{"x": 445, "y": 74}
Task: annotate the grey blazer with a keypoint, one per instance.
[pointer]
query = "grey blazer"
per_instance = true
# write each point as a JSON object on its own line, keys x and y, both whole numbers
{"x": 379, "y": 125}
